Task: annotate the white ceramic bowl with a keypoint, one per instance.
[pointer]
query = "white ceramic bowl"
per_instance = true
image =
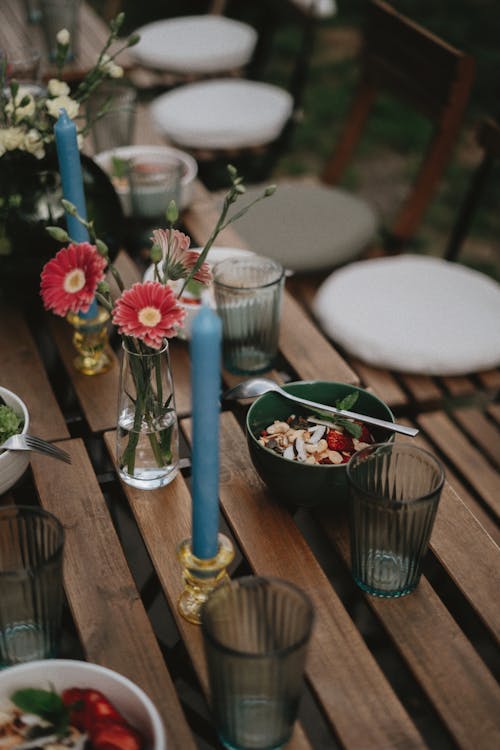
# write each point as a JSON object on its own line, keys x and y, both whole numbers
{"x": 191, "y": 304}
{"x": 13, "y": 464}
{"x": 190, "y": 169}
{"x": 128, "y": 698}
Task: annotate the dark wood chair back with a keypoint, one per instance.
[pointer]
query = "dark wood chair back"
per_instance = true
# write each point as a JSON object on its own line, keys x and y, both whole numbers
{"x": 403, "y": 59}
{"x": 488, "y": 138}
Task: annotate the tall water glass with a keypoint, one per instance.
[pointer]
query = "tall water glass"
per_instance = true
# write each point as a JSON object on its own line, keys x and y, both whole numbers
{"x": 31, "y": 588}
{"x": 256, "y": 632}
{"x": 111, "y": 112}
{"x": 248, "y": 294}
{"x": 395, "y": 490}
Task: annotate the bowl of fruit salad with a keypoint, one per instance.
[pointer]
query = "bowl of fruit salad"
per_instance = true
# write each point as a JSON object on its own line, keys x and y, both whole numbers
{"x": 65, "y": 703}
{"x": 14, "y": 419}
{"x": 302, "y": 455}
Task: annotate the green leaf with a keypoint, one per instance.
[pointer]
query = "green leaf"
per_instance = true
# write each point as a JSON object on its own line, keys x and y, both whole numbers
{"x": 10, "y": 422}
{"x": 45, "y": 703}
{"x": 352, "y": 428}
{"x": 347, "y": 402}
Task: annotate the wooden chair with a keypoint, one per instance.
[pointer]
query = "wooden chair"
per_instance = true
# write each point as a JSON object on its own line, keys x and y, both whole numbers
{"x": 247, "y": 123}
{"x": 316, "y": 227}
{"x": 488, "y": 138}
{"x": 448, "y": 320}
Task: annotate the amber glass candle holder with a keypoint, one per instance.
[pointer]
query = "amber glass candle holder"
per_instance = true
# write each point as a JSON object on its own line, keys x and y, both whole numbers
{"x": 201, "y": 576}
{"x": 90, "y": 339}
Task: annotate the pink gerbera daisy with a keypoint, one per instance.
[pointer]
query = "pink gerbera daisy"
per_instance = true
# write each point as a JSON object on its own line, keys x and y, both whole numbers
{"x": 149, "y": 312}
{"x": 180, "y": 259}
{"x": 69, "y": 280}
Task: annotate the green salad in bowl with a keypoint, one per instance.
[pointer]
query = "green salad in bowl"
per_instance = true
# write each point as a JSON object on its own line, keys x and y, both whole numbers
{"x": 14, "y": 419}
{"x": 11, "y": 423}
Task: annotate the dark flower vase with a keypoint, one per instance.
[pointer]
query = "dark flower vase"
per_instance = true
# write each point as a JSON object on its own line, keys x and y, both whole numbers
{"x": 30, "y": 200}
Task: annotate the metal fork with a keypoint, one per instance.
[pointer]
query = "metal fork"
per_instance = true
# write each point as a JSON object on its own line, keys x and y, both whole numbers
{"x": 32, "y": 443}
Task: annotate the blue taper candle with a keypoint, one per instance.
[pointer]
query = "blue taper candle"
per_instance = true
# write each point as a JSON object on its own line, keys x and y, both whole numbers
{"x": 70, "y": 169}
{"x": 205, "y": 350}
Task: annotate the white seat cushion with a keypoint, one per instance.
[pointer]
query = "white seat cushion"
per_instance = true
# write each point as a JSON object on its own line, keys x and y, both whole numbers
{"x": 222, "y": 114}
{"x": 414, "y": 314}
{"x": 320, "y": 8}
{"x": 307, "y": 227}
{"x": 195, "y": 44}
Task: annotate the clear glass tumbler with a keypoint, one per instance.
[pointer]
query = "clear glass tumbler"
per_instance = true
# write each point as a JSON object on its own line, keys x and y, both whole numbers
{"x": 154, "y": 183}
{"x": 111, "y": 111}
{"x": 256, "y": 632}
{"x": 31, "y": 586}
{"x": 395, "y": 490}
{"x": 248, "y": 294}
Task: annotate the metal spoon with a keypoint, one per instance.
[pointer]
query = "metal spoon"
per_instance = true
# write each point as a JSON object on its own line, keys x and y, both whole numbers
{"x": 258, "y": 386}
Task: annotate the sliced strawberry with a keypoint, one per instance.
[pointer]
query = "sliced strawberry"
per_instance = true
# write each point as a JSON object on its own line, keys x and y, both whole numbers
{"x": 74, "y": 699}
{"x": 366, "y": 436}
{"x": 107, "y": 734}
{"x": 337, "y": 441}
{"x": 98, "y": 707}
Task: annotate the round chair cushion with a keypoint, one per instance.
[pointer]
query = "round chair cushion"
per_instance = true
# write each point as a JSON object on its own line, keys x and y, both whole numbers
{"x": 222, "y": 114}
{"x": 320, "y": 8}
{"x": 413, "y": 314}
{"x": 195, "y": 44}
{"x": 307, "y": 226}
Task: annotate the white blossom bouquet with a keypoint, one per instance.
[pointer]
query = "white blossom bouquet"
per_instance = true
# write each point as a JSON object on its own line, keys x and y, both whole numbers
{"x": 28, "y": 113}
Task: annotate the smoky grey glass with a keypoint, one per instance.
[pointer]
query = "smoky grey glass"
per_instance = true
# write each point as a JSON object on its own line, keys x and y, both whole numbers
{"x": 248, "y": 295}
{"x": 256, "y": 632}
{"x": 31, "y": 587}
{"x": 394, "y": 496}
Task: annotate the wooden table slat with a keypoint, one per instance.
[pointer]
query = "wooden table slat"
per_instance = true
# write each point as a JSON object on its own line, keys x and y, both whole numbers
{"x": 307, "y": 350}
{"x": 337, "y": 650}
{"x": 98, "y": 403}
{"x": 467, "y": 459}
{"x": 112, "y": 623}
{"x": 484, "y": 433}
{"x": 459, "y": 684}
{"x": 21, "y": 371}
{"x": 165, "y": 520}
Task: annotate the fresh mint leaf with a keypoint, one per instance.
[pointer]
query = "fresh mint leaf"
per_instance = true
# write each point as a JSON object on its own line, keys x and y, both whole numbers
{"x": 347, "y": 402}
{"x": 39, "y": 702}
{"x": 44, "y": 703}
{"x": 352, "y": 428}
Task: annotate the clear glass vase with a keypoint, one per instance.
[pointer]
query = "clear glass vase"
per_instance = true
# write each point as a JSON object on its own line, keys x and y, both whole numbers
{"x": 147, "y": 431}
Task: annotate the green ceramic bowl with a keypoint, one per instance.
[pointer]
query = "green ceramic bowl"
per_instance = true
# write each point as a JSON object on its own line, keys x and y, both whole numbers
{"x": 298, "y": 483}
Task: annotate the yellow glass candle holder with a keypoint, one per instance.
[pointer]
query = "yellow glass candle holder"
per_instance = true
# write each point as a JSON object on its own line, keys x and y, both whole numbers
{"x": 90, "y": 339}
{"x": 201, "y": 576}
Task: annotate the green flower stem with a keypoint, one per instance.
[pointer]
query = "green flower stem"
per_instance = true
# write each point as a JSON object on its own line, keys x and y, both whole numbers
{"x": 148, "y": 406}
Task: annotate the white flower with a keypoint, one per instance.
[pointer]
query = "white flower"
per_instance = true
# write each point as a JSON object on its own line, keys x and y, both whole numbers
{"x": 110, "y": 68}
{"x": 115, "y": 71}
{"x": 63, "y": 36}
{"x": 62, "y": 102}
{"x": 33, "y": 143}
{"x": 27, "y": 110}
{"x": 12, "y": 138}
{"x": 58, "y": 88}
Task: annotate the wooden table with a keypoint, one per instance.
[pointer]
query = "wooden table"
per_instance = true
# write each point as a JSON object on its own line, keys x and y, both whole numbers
{"x": 412, "y": 673}
{"x": 17, "y": 36}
